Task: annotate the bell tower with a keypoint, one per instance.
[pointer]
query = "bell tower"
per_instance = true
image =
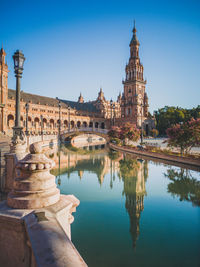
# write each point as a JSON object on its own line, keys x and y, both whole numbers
{"x": 135, "y": 101}
{"x": 3, "y": 88}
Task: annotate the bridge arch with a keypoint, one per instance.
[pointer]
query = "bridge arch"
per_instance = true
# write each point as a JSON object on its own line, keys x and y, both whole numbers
{"x": 67, "y": 136}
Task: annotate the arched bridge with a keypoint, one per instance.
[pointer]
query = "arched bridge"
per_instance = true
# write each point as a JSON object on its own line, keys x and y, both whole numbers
{"x": 65, "y": 134}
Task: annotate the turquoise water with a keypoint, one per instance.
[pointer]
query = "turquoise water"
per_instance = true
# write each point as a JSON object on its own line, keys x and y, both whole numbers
{"x": 133, "y": 212}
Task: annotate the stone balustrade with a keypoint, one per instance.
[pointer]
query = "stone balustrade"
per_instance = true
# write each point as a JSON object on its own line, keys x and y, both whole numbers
{"x": 34, "y": 187}
{"x": 35, "y": 220}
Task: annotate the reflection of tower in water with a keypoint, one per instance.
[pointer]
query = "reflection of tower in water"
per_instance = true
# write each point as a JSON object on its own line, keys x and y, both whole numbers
{"x": 134, "y": 190}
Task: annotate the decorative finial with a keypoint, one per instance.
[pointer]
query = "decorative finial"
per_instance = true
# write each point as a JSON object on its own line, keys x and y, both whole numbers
{"x": 134, "y": 28}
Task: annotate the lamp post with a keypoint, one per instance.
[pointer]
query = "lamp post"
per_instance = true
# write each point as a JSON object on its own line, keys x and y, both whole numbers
{"x": 113, "y": 114}
{"x": 59, "y": 125}
{"x": 41, "y": 118}
{"x": 27, "y": 109}
{"x": 111, "y": 106}
{"x": 141, "y": 125}
{"x": 19, "y": 59}
{"x": 68, "y": 118}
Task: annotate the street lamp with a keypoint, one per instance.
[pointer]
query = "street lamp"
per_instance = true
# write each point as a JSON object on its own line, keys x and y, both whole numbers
{"x": 113, "y": 114}
{"x": 27, "y": 109}
{"x": 68, "y": 118}
{"x": 141, "y": 125}
{"x": 59, "y": 125}
{"x": 19, "y": 59}
{"x": 41, "y": 117}
{"x": 111, "y": 106}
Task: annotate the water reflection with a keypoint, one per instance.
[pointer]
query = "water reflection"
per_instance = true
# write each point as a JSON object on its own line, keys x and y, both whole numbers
{"x": 113, "y": 189}
{"x": 132, "y": 171}
{"x": 134, "y": 174}
{"x": 99, "y": 163}
{"x": 184, "y": 185}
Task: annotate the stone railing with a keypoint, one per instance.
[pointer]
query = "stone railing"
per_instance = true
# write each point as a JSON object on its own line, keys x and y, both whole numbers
{"x": 35, "y": 220}
{"x": 85, "y": 129}
{"x": 40, "y": 138}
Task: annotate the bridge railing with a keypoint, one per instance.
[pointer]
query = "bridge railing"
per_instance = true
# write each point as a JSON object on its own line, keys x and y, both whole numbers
{"x": 85, "y": 129}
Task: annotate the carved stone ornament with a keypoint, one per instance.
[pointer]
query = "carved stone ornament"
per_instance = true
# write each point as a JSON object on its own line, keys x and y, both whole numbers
{"x": 35, "y": 187}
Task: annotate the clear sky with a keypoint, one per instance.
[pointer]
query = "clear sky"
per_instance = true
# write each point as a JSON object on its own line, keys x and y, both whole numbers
{"x": 80, "y": 46}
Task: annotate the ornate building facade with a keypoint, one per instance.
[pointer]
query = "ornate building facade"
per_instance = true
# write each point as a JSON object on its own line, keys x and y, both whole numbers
{"x": 44, "y": 113}
{"x": 134, "y": 100}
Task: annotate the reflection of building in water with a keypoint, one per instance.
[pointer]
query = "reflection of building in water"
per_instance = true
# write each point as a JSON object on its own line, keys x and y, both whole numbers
{"x": 80, "y": 174}
{"x": 134, "y": 190}
{"x": 133, "y": 172}
{"x": 99, "y": 163}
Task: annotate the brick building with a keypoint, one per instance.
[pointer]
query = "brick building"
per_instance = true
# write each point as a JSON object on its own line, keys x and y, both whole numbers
{"x": 43, "y": 112}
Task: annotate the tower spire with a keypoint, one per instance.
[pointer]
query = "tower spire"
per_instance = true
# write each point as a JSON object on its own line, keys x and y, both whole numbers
{"x": 134, "y": 28}
{"x": 80, "y": 99}
{"x": 134, "y": 40}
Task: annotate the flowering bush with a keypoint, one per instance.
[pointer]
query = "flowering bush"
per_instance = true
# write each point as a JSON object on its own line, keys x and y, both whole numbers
{"x": 184, "y": 136}
{"x": 127, "y": 131}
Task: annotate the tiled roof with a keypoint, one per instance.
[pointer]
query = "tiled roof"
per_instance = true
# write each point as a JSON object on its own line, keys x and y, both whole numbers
{"x": 43, "y": 100}
{"x": 87, "y": 106}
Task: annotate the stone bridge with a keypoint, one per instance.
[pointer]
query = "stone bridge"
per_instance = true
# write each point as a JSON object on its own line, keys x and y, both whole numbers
{"x": 65, "y": 134}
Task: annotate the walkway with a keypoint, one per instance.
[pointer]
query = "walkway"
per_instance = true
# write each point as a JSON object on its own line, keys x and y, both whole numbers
{"x": 168, "y": 159}
{"x": 160, "y": 143}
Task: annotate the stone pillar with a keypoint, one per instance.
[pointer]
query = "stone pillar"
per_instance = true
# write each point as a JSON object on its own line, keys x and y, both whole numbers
{"x": 11, "y": 161}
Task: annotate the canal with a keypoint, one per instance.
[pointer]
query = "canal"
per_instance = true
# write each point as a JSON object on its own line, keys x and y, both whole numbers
{"x": 132, "y": 212}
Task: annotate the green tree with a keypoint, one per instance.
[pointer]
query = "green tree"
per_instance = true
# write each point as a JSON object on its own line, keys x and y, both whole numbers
{"x": 168, "y": 116}
{"x": 184, "y": 185}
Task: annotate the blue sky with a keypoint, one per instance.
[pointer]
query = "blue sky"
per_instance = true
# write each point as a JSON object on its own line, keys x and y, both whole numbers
{"x": 80, "y": 46}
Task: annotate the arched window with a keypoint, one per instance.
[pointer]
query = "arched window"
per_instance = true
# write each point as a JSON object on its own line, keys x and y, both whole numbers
{"x": 65, "y": 123}
{"x": 37, "y": 123}
{"x": 78, "y": 124}
{"x": 51, "y": 124}
{"x": 10, "y": 121}
{"x": 102, "y": 125}
{"x": 72, "y": 124}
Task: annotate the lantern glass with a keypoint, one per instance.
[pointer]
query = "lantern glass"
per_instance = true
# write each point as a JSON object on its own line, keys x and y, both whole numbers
{"x": 21, "y": 62}
{"x": 16, "y": 62}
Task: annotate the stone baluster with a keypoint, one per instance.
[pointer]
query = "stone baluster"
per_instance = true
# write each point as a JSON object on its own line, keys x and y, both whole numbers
{"x": 34, "y": 187}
